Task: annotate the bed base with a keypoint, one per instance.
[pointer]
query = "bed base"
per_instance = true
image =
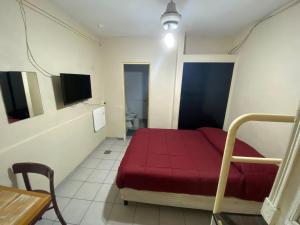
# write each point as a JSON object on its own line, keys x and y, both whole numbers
{"x": 231, "y": 205}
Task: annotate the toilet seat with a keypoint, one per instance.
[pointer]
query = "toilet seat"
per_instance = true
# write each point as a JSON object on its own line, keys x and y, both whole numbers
{"x": 131, "y": 120}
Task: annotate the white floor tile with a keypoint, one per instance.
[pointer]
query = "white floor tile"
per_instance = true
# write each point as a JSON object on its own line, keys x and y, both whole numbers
{"x": 58, "y": 223}
{"x": 88, "y": 191}
{"x": 98, "y": 176}
{"x": 75, "y": 211}
{"x": 120, "y": 142}
{"x": 98, "y": 154}
{"x": 116, "y": 165}
{"x": 118, "y": 199}
{"x": 62, "y": 203}
{"x": 196, "y": 217}
{"x": 112, "y": 155}
{"x": 106, "y": 145}
{"x": 107, "y": 193}
{"x": 118, "y": 148}
{"x": 171, "y": 216}
{"x": 97, "y": 214}
{"x": 103, "y": 148}
{"x": 90, "y": 163}
{"x": 68, "y": 188}
{"x": 80, "y": 174}
{"x": 146, "y": 215}
{"x": 106, "y": 164}
{"x": 44, "y": 222}
{"x": 109, "y": 141}
{"x": 120, "y": 157}
{"x": 111, "y": 177}
{"x": 121, "y": 215}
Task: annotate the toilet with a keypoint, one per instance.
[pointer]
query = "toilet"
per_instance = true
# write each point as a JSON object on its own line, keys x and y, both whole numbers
{"x": 132, "y": 122}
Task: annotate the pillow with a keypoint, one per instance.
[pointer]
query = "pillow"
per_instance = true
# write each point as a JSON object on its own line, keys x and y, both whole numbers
{"x": 217, "y": 137}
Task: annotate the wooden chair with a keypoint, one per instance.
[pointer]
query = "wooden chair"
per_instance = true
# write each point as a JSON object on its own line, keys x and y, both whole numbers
{"x": 37, "y": 168}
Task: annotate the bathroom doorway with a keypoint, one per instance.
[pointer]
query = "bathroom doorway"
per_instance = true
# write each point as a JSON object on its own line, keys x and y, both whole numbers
{"x": 136, "y": 84}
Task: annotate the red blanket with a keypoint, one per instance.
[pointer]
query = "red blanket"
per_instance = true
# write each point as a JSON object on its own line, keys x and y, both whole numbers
{"x": 182, "y": 161}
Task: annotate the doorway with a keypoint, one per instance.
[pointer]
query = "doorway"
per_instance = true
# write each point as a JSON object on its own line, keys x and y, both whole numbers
{"x": 136, "y": 83}
{"x": 204, "y": 94}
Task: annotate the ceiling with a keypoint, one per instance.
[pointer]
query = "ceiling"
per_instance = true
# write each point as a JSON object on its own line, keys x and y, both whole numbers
{"x": 142, "y": 17}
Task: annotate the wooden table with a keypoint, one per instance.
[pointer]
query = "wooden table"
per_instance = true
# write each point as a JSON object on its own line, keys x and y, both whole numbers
{"x": 20, "y": 207}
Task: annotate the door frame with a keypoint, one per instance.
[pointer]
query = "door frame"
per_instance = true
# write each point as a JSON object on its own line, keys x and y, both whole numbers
{"x": 124, "y": 93}
{"x": 200, "y": 59}
{"x": 286, "y": 182}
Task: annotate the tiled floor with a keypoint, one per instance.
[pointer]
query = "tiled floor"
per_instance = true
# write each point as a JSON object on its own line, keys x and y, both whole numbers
{"x": 90, "y": 197}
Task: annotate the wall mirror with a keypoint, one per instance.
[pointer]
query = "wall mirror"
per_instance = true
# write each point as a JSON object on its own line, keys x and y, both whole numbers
{"x": 21, "y": 95}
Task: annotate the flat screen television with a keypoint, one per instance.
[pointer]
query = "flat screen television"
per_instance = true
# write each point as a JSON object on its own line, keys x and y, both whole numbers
{"x": 75, "y": 87}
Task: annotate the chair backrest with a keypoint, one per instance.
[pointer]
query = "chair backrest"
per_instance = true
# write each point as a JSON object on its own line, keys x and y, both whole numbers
{"x": 27, "y": 167}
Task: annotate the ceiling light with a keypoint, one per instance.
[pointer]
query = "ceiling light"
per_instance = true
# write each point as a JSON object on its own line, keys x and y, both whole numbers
{"x": 100, "y": 26}
{"x": 171, "y": 18}
{"x": 169, "y": 40}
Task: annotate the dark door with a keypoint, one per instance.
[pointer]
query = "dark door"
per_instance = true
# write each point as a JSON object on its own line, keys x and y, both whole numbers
{"x": 204, "y": 94}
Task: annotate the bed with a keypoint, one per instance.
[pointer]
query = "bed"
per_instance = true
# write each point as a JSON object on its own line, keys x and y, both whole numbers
{"x": 181, "y": 168}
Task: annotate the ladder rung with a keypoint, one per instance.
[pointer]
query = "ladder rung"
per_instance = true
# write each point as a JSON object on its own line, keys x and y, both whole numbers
{"x": 243, "y": 159}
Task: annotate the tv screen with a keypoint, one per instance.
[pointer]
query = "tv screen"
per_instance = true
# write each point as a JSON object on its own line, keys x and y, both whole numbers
{"x": 75, "y": 87}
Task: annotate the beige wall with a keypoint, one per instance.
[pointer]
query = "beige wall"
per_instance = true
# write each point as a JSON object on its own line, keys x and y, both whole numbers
{"x": 60, "y": 139}
{"x": 163, "y": 66}
{"x": 32, "y": 92}
{"x": 196, "y": 44}
{"x": 162, "y": 61}
{"x": 268, "y": 80}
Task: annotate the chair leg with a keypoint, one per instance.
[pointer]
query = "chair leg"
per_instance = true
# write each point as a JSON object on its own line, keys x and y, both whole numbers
{"x": 57, "y": 212}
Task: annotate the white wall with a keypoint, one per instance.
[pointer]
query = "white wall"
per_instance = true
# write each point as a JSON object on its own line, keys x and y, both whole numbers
{"x": 268, "y": 80}
{"x": 161, "y": 79}
{"x": 60, "y": 139}
{"x": 196, "y": 44}
{"x": 136, "y": 93}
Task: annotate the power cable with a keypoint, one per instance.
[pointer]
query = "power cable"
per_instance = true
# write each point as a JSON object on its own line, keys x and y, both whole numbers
{"x": 29, "y": 54}
{"x": 58, "y": 21}
{"x": 240, "y": 44}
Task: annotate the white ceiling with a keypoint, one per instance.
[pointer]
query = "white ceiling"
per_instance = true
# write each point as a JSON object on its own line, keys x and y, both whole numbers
{"x": 142, "y": 17}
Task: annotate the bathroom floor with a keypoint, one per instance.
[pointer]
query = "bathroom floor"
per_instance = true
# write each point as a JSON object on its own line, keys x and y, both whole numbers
{"x": 89, "y": 196}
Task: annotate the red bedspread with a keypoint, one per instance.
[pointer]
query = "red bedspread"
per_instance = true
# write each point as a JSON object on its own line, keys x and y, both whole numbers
{"x": 182, "y": 161}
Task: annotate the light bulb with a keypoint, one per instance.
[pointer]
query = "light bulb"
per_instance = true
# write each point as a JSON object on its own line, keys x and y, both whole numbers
{"x": 169, "y": 40}
{"x": 170, "y": 26}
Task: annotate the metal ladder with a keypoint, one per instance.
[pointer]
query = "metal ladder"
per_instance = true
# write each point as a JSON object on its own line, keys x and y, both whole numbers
{"x": 229, "y": 146}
